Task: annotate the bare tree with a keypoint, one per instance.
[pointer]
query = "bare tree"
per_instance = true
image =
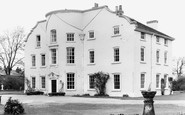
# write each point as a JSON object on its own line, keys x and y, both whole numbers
{"x": 11, "y": 49}
{"x": 179, "y": 66}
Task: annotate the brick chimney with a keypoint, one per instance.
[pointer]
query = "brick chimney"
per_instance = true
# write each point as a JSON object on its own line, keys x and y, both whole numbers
{"x": 153, "y": 24}
{"x": 95, "y": 5}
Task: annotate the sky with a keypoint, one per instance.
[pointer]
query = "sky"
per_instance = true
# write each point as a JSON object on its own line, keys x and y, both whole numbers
{"x": 169, "y": 13}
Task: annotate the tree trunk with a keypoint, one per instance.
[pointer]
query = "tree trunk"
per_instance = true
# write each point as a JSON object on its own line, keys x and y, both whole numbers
{"x": 8, "y": 70}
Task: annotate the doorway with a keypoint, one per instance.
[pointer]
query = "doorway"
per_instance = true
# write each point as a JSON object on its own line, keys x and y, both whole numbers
{"x": 53, "y": 86}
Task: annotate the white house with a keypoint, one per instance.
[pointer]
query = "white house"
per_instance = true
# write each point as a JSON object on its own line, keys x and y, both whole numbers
{"x": 65, "y": 49}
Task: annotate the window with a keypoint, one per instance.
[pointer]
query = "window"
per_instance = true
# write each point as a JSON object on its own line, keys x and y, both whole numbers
{"x": 142, "y": 80}
{"x": 142, "y": 54}
{"x": 91, "y": 34}
{"x": 165, "y": 42}
{"x": 116, "y": 81}
{"x": 70, "y": 80}
{"x": 33, "y": 58}
{"x": 33, "y": 82}
{"x": 91, "y": 56}
{"x": 70, "y": 55}
{"x": 116, "y": 30}
{"x": 165, "y": 80}
{"x": 38, "y": 40}
{"x": 157, "y": 80}
{"x": 53, "y": 34}
{"x": 91, "y": 82}
{"x": 116, "y": 54}
{"x": 43, "y": 60}
{"x": 43, "y": 82}
{"x": 157, "y": 39}
{"x": 70, "y": 36}
{"x": 157, "y": 56}
{"x": 142, "y": 35}
{"x": 165, "y": 57}
{"x": 53, "y": 56}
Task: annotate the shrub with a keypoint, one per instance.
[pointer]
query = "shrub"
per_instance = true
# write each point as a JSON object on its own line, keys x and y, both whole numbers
{"x": 57, "y": 94}
{"x": 13, "y": 107}
{"x": 179, "y": 85}
{"x": 100, "y": 80}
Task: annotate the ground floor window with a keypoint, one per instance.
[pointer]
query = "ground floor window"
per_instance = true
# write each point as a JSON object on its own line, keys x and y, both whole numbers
{"x": 116, "y": 81}
{"x": 142, "y": 85}
{"x": 33, "y": 82}
{"x": 43, "y": 82}
{"x": 157, "y": 80}
{"x": 165, "y": 80}
{"x": 91, "y": 82}
{"x": 70, "y": 80}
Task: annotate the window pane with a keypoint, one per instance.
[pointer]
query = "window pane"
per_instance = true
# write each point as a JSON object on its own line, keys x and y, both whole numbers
{"x": 91, "y": 34}
{"x": 91, "y": 82}
{"x": 38, "y": 40}
{"x": 91, "y": 56}
{"x": 33, "y": 60}
{"x": 33, "y": 82}
{"x": 142, "y": 80}
{"x": 43, "y": 80}
{"x": 43, "y": 59}
{"x": 116, "y": 81}
{"x": 70, "y": 55}
{"x": 70, "y": 37}
{"x": 157, "y": 81}
{"x": 142, "y": 35}
{"x": 116, "y": 30}
{"x": 70, "y": 81}
{"x": 142, "y": 54}
{"x": 53, "y": 56}
{"x": 116, "y": 54}
{"x": 53, "y": 35}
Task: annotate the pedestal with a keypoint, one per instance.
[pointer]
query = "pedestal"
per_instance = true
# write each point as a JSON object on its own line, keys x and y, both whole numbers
{"x": 148, "y": 102}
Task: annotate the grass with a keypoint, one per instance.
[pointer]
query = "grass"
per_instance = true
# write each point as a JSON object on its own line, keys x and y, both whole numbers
{"x": 11, "y": 92}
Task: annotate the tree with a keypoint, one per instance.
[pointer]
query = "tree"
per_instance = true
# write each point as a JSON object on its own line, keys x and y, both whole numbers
{"x": 178, "y": 67}
{"x": 11, "y": 49}
{"x": 100, "y": 80}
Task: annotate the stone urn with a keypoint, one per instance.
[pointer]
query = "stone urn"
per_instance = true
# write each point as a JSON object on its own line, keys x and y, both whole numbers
{"x": 148, "y": 102}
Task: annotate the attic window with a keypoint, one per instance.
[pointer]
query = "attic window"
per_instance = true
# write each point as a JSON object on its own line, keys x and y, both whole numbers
{"x": 142, "y": 35}
{"x": 157, "y": 39}
{"x": 116, "y": 30}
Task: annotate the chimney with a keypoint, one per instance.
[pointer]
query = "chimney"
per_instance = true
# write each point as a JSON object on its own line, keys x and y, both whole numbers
{"x": 153, "y": 24}
{"x": 119, "y": 11}
{"x": 95, "y": 5}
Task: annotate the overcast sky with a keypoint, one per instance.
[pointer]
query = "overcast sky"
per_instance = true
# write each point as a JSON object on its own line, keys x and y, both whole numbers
{"x": 169, "y": 13}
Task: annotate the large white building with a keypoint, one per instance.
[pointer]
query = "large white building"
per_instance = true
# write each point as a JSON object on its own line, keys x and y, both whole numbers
{"x": 66, "y": 48}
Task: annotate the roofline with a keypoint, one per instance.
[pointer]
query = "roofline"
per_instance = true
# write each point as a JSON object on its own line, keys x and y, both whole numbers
{"x": 74, "y": 11}
{"x": 33, "y": 29}
{"x": 153, "y": 33}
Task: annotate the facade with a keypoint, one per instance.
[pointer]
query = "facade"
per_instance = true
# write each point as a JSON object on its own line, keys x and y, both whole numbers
{"x": 65, "y": 49}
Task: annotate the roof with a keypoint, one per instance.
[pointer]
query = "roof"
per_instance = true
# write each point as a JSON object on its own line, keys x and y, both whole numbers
{"x": 144, "y": 28}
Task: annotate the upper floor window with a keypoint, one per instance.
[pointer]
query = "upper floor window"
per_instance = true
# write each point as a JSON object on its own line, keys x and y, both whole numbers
{"x": 142, "y": 54}
{"x": 157, "y": 80}
{"x": 53, "y": 35}
{"x": 43, "y": 81}
{"x": 157, "y": 39}
{"x": 91, "y": 82}
{"x": 38, "y": 39}
{"x": 33, "y": 82}
{"x": 70, "y": 81}
{"x": 91, "y": 56}
{"x": 70, "y": 55}
{"x": 53, "y": 56}
{"x": 116, "y": 81}
{"x": 43, "y": 59}
{"x": 143, "y": 35}
{"x": 91, "y": 34}
{"x": 142, "y": 80}
{"x": 165, "y": 42}
{"x": 116, "y": 30}
{"x": 157, "y": 56}
{"x": 33, "y": 58}
{"x": 165, "y": 57}
{"x": 116, "y": 55}
{"x": 70, "y": 36}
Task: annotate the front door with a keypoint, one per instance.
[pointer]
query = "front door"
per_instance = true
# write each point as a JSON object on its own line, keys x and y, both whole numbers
{"x": 53, "y": 86}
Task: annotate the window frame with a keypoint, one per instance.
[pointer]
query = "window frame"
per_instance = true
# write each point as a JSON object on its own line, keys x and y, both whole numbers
{"x": 117, "y": 83}
{"x": 116, "y": 54}
{"x": 157, "y": 39}
{"x": 166, "y": 42}
{"x": 33, "y": 62}
{"x": 165, "y": 57}
{"x": 70, "y": 37}
{"x": 53, "y": 57}
{"x": 158, "y": 56}
{"x": 143, "y": 36}
{"x": 69, "y": 83}
{"x": 42, "y": 59}
{"x": 166, "y": 80}
{"x": 91, "y": 34}
{"x": 158, "y": 81}
{"x": 142, "y": 83}
{"x": 91, "y": 82}
{"x": 116, "y": 30}
{"x": 38, "y": 42}
{"x": 33, "y": 82}
{"x": 43, "y": 83}
{"x": 142, "y": 54}
{"x": 91, "y": 57}
{"x": 70, "y": 55}
{"x": 53, "y": 36}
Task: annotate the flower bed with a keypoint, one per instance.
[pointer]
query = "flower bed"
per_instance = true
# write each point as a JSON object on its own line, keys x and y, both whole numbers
{"x": 57, "y": 94}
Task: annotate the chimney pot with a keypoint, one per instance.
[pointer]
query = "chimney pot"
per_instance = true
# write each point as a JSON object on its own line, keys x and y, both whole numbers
{"x": 153, "y": 24}
{"x": 95, "y": 5}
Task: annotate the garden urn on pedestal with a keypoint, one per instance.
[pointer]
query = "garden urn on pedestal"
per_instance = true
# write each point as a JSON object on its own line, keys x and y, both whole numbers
{"x": 148, "y": 102}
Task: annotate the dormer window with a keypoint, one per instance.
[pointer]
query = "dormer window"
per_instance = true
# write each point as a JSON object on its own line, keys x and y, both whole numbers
{"x": 53, "y": 35}
{"x": 38, "y": 41}
{"x": 142, "y": 35}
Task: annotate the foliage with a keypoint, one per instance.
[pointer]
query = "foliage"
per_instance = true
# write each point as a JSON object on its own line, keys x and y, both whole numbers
{"x": 100, "y": 80}
{"x": 179, "y": 65}
{"x": 13, "y": 107}
{"x": 33, "y": 92}
{"x": 57, "y": 94}
{"x": 179, "y": 85}
{"x": 12, "y": 82}
{"x": 11, "y": 49}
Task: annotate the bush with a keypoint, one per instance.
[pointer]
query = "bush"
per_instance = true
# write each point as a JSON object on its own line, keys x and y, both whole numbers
{"x": 12, "y": 82}
{"x": 179, "y": 85}
{"x": 13, "y": 107}
{"x": 104, "y": 95}
{"x": 57, "y": 94}
{"x": 28, "y": 92}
